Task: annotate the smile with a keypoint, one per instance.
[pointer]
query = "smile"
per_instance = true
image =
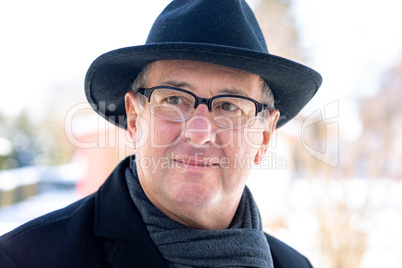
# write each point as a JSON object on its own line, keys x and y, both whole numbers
{"x": 196, "y": 164}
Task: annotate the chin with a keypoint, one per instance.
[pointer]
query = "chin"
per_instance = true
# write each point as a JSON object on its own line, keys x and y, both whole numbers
{"x": 193, "y": 196}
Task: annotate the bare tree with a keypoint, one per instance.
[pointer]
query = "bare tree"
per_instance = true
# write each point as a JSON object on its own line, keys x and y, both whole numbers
{"x": 340, "y": 235}
{"x": 279, "y": 28}
{"x": 378, "y": 149}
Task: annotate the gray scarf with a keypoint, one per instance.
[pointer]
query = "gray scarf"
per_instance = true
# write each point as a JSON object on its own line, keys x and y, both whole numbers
{"x": 242, "y": 245}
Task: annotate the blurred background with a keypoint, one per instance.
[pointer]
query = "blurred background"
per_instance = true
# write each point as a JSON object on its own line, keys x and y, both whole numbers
{"x": 330, "y": 185}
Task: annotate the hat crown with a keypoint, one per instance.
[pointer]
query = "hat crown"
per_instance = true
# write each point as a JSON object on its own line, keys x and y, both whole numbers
{"x": 223, "y": 32}
{"x": 224, "y": 22}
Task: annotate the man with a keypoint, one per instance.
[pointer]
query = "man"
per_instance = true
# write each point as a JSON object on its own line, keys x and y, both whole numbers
{"x": 200, "y": 101}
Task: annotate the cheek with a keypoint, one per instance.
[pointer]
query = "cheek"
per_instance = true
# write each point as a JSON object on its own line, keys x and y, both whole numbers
{"x": 253, "y": 139}
{"x": 140, "y": 137}
{"x": 240, "y": 158}
{"x": 161, "y": 133}
{"x": 240, "y": 143}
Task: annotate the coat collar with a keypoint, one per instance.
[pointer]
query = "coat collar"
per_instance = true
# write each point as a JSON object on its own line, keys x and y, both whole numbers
{"x": 118, "y": 220}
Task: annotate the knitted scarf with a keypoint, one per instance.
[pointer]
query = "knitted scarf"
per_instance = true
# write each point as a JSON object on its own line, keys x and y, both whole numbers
{"x": 243, "y": 244}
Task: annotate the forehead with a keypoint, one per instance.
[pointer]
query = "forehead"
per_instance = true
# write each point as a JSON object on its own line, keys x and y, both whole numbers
{"x": 199, "y": 76}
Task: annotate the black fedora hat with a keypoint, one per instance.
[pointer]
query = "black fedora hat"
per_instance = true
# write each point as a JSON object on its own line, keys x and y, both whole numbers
{"x": 223, "y": 32}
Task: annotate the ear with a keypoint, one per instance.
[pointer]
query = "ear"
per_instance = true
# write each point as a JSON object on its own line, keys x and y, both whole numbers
{"x": 133, "y": 109}
{"x": 269, "y": 130}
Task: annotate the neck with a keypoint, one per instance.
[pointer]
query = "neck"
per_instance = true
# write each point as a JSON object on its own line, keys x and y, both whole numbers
{"x": 204, "y": 219}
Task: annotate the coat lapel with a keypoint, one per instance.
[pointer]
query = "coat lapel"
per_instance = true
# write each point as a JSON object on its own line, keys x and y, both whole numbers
{"x": 119, "y": 221}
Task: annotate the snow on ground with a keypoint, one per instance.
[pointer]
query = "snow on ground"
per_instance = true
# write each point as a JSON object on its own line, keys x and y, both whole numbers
{"x": 21, "y": 212}
{"x": 294, "y": 201}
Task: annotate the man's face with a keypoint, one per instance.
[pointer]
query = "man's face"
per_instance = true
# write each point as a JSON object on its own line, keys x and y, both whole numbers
{"x": 195, "y": 171}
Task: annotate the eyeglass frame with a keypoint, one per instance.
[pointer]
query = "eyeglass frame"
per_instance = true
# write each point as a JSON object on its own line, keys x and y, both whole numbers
{"x": 147, "y": 92}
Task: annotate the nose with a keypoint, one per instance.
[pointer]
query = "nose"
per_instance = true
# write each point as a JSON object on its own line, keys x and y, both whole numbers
{"x": 200, "y": 129}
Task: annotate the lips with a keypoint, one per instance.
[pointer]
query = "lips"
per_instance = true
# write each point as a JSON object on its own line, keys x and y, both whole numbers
{"x": 197, "y": 163}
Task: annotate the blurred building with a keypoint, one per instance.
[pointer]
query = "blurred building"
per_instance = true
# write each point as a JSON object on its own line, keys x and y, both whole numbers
{"x": 99, "y": 147}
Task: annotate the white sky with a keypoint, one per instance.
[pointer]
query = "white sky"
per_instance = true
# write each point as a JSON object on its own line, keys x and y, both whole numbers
{"x": 43, "y": 43}
{"x": 47, "y": 42}
{"x": 352, "y": 43}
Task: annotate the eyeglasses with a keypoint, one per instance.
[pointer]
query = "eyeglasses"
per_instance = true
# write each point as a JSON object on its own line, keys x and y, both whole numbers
{"x": 177, "y": 105}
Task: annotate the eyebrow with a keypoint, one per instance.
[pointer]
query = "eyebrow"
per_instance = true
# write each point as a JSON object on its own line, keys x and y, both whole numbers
{"x": 234, "y": 91}
{"x": 174, "y": 83}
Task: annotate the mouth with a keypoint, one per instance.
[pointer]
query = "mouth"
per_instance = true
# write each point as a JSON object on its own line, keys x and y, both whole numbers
{"x": 189, "y": 162}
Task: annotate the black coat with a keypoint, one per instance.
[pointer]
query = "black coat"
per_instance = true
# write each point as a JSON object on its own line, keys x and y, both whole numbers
{"x": 104, "y": 229}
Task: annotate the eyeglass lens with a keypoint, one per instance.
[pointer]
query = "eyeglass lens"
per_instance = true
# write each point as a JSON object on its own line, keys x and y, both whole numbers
{"x": 228, "y": 112}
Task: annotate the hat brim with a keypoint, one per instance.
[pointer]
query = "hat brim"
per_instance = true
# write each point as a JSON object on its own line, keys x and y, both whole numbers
{"x": 110, "y": 76}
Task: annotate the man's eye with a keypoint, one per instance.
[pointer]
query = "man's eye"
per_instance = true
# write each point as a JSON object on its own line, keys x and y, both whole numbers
{"x": 227, "y": 106}
{"x": 174, "y": 100}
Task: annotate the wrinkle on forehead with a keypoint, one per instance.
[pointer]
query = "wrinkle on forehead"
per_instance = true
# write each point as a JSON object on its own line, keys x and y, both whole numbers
{"x": 189, "y": 64}
{"x": 175, "y": 78}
